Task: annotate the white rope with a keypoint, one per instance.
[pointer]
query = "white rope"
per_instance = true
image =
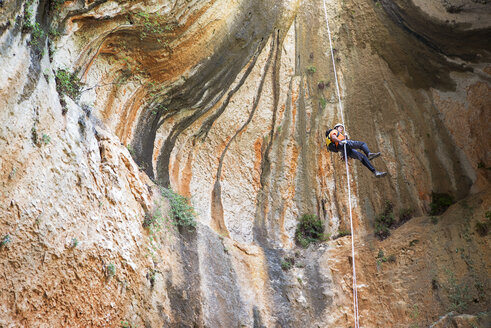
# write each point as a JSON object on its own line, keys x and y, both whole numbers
{"x": 355, "y": 292}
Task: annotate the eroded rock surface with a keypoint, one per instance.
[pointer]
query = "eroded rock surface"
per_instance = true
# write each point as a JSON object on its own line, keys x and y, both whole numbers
{"x": 227, "y": 102}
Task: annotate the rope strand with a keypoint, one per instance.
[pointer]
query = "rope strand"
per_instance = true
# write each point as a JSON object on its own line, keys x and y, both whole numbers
{"x": 355, "y": 291}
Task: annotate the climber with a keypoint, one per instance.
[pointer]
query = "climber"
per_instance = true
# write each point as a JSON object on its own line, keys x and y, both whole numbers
{"x": 337, "y": 138}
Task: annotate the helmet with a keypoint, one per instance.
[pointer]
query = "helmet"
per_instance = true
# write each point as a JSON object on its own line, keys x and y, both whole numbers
{"x": 338, "y": 124}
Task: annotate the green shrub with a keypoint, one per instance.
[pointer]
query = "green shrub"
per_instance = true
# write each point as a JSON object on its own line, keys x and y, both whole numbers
{"x": 381, "y": 258}
{"x": 67, "y": 83}
{"x": 110, "y": 270}
{"x": 56, "y": 4}
{"x": 482, "y": 228}
{"x": 34, "y": 136}
{"x": 27, "y": 25}
{"x": 287, "y": 263}
{"x": 405, "y": 215}
{"x": 439, "y": 203}
{"x": 154, "y": 25}
{"x": 342, "y": 233}
{"x": 384, "y": 221}
{"x": 434, "y": 220}
{"x": 323, "y": 102}
{"x": 37, "y": 34}
{"x": 309, "y": 230}
{"x": 46, "y": 139}
{"x": 311, "y": 70}
{"x": 151, "y": 276}
{"x": 126, "y": 324}
{"x": 5, "y": 240}
{"x": 131, "y": 150}
{"x": 182, "y": 213}
{"x": 434, "y": 284}
{"x": 148, "y": 220}
{"x": 74, "y": 243}
{"x": 458, "y": 293}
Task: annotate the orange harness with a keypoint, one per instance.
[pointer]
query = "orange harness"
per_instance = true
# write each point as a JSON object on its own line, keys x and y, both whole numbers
{"x": 338, "y": 135}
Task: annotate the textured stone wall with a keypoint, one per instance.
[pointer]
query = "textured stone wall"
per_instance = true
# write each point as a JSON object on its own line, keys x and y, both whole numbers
{"x": 227, "y": 103}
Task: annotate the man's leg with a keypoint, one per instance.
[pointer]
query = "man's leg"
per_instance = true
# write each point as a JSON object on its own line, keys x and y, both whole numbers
{"x": 362, "y": 158}
{"x": 354, "y": 144}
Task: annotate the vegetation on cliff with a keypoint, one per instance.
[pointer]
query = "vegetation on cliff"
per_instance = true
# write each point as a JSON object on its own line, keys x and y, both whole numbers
{"x": 310, "y": 230}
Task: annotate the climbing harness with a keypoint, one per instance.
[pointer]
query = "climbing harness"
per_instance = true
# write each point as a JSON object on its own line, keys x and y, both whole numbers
{"x": 331, "y": 145}
{"x": 355, "y": 292}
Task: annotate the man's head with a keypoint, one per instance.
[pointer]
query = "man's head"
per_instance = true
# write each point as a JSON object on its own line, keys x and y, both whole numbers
{"x": 339, "y": 127}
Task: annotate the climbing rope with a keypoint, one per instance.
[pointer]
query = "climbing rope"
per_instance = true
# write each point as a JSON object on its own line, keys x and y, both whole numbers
{"x": 355, "y": 292}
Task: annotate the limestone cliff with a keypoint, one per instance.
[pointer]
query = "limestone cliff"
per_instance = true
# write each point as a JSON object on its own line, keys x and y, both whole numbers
{"x": 105, "y": 103}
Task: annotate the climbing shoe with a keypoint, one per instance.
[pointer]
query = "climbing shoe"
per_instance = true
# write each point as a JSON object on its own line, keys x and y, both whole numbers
{"x": 379, "y": 174}
{"x": 373, "y": 155}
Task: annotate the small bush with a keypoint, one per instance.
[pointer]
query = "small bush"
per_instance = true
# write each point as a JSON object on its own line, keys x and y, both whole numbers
{"x": 384, "y": 221}
{"x": 151, "y": 276}
{"x": 154, "y": 25}
{"x": 382, "y": 258}
{"x": 323, "y": 102}
{"x": 439, "y": 203}
{"x": 181, "y": 212}
{"x": 53, "y": 32}
{"x": 434, "y": 220}
{"x": 5, "y": 240}
{"x": 342, "y": 233}
{"x": 148, "y": 220}
{"x": 482, "y": 228}
{"x": 458, "y": 293}
{"x": 67, "y": 83}
{"x": 56, "y": 4}
{"x": 28, "y": 16}
{"x": 34, "y": 136}
{"x": 311, "y": 70}
{"x": 110, "y": 270}
{"x": 37, "y": 34}
{"x": 131, "y": 150}
{"x": 405, "y": 215}
{"x": 126, "y": 324}
{"x": 309, "y": 230}
{"x": 434, "y": 284}
{"x": 74, "y": 243}
{"x": 287, "y": 263}
{"x": 46, "y": 139}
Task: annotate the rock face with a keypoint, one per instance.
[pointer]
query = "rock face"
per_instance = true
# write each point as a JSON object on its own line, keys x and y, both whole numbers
{"x": 104, "y": 103}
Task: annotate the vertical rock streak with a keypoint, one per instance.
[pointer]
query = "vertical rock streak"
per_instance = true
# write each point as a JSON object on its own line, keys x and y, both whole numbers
{"x": 216, "y": 206}
{"x": 80, "y": 220}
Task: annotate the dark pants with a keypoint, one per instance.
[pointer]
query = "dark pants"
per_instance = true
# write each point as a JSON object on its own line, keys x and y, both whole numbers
{"x": 351, "y": 145}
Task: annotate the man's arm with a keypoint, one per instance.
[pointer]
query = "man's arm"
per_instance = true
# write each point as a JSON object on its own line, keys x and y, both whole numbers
{"x": 334, "y": 138}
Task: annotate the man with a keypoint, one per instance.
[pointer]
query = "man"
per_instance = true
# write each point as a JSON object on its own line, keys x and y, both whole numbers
{"x": 339, "y": 138}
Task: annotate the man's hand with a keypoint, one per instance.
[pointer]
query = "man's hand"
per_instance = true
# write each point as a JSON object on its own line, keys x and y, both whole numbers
{"x": 342, "y": 142}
